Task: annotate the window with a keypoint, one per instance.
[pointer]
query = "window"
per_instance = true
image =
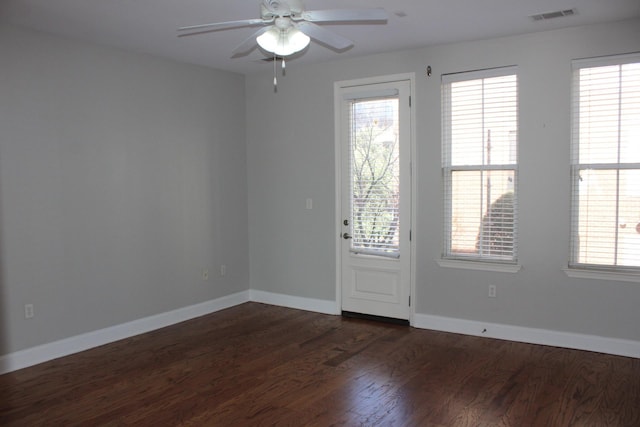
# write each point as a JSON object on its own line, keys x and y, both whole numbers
{"x": 605, "y": 164}
{"x": 480, "y": 165}
{"x": 375, "y": 176}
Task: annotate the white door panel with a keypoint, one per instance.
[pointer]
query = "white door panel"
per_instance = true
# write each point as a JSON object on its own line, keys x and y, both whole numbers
{"x": 375, "y": 284}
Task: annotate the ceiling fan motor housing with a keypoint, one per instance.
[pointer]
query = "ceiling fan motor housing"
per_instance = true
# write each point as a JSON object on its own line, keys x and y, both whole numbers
{"x": 280, "y": 8}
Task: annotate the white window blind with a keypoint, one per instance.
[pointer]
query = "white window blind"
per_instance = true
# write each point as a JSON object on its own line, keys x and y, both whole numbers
{"x": 480, "y": 165}
{"x": 605, "y": 232}
{"x": 375, "y": 176}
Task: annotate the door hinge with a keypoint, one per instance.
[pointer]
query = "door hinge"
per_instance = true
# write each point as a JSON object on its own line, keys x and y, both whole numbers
{"x": 410, "y": 235}
{"x": 409, "y": 101}
{"x": 409, "y": 300}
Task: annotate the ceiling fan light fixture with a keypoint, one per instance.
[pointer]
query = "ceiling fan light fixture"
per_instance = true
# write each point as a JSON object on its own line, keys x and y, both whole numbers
{"x": 283, "y": 42}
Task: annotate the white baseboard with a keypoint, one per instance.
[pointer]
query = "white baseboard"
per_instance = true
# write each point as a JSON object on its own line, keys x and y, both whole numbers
{"x": 43, "y": 353}
{"x": 595, "y": 343}
{"x": 308, "y": 304}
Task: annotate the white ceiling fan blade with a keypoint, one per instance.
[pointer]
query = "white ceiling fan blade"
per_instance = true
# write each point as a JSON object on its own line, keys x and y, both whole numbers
{"x": 345, "y": 15}
{"x": 227, "y": 25}
{"x": 249, "y": 44}
{"x": 322, "y": 35}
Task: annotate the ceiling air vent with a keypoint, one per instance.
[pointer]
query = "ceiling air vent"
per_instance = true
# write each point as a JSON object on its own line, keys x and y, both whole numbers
{"x": 551, "y": 15}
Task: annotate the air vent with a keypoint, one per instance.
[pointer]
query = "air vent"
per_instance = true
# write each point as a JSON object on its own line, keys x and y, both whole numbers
{"x": 551, "y": 15}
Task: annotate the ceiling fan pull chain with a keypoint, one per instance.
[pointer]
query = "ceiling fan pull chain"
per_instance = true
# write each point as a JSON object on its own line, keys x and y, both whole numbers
{"x": 275, "y": 78}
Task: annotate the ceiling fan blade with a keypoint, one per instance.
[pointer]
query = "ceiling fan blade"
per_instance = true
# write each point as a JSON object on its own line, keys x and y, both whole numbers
{"x": 249, "y": 44}
{"x": 227, "y": 25}
{"x": 346, "y": 15}
{"x": 324, "y": 36}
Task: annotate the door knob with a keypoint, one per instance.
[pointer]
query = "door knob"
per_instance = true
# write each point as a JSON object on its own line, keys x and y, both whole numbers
{"x": 346, "y": 236}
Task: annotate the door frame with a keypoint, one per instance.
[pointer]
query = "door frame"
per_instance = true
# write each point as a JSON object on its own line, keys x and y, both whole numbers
{"x": 337, "y": 107}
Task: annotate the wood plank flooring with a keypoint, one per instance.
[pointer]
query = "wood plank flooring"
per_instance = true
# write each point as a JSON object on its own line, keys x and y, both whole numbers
{"x": 260, "y": 365}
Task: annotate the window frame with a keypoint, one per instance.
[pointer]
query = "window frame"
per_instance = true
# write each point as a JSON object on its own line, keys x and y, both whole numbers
{"x": 474, "y": 261}
{"x": 575, "y": 268}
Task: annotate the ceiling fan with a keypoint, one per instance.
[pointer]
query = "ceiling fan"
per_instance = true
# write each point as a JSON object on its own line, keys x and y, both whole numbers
{"x": 287, "y": 28}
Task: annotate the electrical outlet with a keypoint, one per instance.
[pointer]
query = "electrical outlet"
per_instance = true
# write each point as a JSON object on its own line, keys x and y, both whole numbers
{"x": 28, "y": 311}
{"x": 205, "y": 274}
{"x": 492, "y": 291}
{"x": 223, "y": 270}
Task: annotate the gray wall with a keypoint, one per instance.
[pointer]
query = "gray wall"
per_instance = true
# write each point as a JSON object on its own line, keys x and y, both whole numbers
{"x": 290, "y": 149}
{"x": 122, "y": 177}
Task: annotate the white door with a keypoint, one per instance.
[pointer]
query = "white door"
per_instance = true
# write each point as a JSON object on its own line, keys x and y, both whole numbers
{"x": 375, "y": 198}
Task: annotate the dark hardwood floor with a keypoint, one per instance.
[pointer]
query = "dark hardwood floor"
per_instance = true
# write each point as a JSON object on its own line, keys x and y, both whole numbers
{"x": 256, "y": 364}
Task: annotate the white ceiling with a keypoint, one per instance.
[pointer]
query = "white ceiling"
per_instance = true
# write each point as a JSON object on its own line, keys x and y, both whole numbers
{"x": 149, "y": 26}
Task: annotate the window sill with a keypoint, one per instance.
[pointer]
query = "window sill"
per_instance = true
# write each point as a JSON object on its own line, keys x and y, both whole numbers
{"x": 583, "y": 273}
{"x": 475, "y": 265}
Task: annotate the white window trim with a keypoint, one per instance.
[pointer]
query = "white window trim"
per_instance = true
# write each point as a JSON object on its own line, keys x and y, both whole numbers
{"x": 603, "y": 61}
{"x": 477, "y": 263}
{"x": 596, "y": 274}
{"x": 480, "y": 74}
{"x": 584, "y": 271}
